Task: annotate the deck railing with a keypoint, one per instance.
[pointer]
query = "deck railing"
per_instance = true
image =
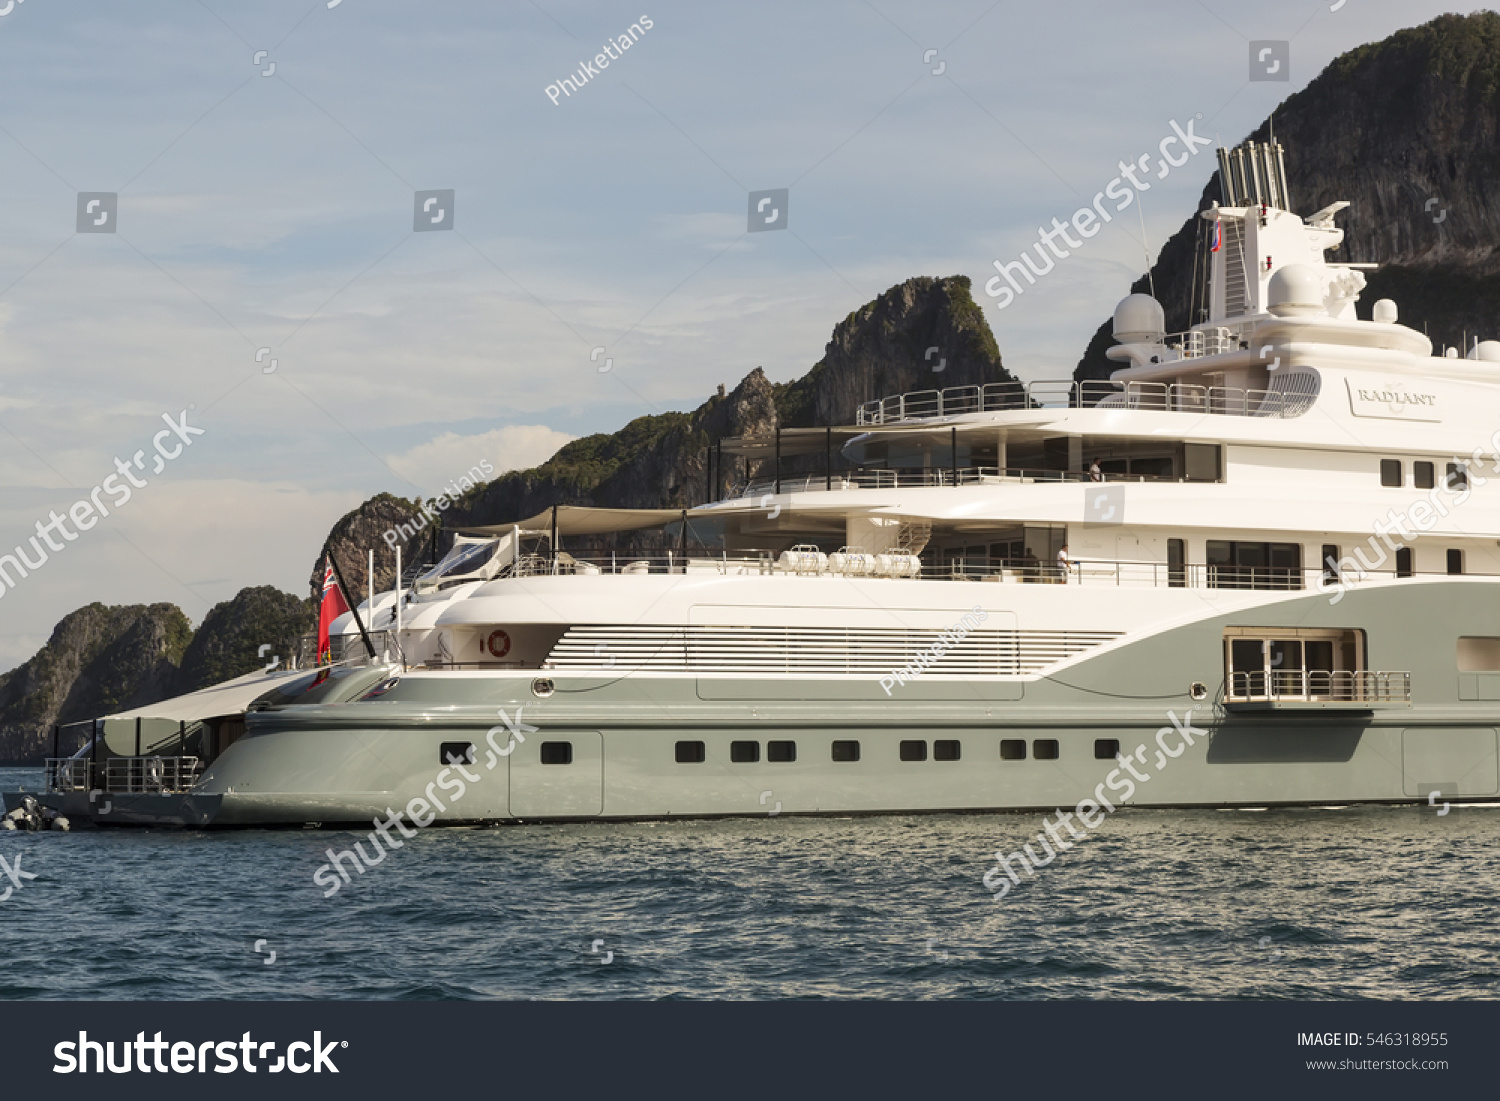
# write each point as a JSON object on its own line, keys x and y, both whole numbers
{"x": 898, "y": 564}
{"x": 923, "y": 405}
{"x": 906, "y": 479}
{"x": 123, "y": 775}
{"x": 1314, "y": 686}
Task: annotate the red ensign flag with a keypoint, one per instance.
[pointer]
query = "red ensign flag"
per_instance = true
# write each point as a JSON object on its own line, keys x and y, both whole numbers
{"x": 334, "y": 605}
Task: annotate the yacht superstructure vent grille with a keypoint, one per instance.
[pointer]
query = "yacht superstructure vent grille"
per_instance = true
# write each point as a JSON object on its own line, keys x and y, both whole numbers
{"x": 870, "y": 652}
{"x": 1299, "y": 392}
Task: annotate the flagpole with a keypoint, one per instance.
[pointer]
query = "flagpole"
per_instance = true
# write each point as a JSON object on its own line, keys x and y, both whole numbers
{"x": 398, "y": 600}
{"x": 358, "y": 622}
{"x": 370, "y": 586}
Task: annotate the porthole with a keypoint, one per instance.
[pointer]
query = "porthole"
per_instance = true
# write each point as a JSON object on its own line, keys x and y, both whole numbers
{"x": 456, "y": 753}
{"x": 542, "y": 687}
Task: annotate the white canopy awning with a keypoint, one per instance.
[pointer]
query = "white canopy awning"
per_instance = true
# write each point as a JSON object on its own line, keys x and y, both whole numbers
{"x": 229, "y": 698}
{"x": 584, "y": 520}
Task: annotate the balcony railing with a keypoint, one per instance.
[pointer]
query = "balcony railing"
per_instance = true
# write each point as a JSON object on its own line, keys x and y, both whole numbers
{"x": 1173, "y": 397}
{"x": 908, "y": 479}
{"x": 1317, "y": 686}
{"x": 123, "y": 775}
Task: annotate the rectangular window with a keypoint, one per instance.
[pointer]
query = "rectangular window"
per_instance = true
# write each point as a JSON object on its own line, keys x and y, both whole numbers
{"x": 781, "y": 751}
{"x": 1106, "y": 749}
{"x": 1012, "y": 749}
{"x": 1403, "y": 562}
{"x": 690, "y": 753}
{"x": 1331, "y": 558}
{"x": 1479, "y": 655}
{"x": 1458, "y": 477}
{"x": 456, "y": 753}
{"x": 1201, "y": 462}
{"x": 1176, "y": 564}
{"x": 1390, "y": 472}
{"x": 557, "y": 753}
{"x": 1044, "y": 749}
{"x": 846, "y": 751}
{"x": 1422, "y": 475}
{"x": 1455, "y": 560}
{"x": 1235, "y": 564}
{"x": 744, "y": 753}
{"x": 946, "y": 750}
{"x": 914, "y": 751}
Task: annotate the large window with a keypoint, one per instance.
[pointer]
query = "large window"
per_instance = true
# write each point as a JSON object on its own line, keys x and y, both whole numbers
{"x": 1478, "y": 654}
{"x": 1291, "y": 663}
{"x": 1247, "y": 565}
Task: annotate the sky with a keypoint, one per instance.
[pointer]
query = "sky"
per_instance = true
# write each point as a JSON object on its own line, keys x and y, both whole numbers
{"x": 263, "y": 275}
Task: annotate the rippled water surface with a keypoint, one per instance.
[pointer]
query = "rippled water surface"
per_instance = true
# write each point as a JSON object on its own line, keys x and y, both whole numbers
{"x": 1352, "y": 903}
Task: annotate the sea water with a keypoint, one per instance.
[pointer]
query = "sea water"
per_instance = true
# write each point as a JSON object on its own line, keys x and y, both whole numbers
{"x": 1357, "y": 902}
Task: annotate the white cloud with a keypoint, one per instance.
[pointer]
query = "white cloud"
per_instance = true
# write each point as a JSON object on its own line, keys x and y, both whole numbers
{"x": 442, "y": 460}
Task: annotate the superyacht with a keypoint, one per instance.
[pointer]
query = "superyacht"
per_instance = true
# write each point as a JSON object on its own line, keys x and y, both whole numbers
{"x": 1280, "y": 528}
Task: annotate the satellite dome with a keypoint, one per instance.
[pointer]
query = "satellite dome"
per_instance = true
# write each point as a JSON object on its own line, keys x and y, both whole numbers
{"x": 1296, "y": 290}
{"x": 1139, "y": 320}
{"x": 1488, "y": 350}
{"x": 1385, "y": 312}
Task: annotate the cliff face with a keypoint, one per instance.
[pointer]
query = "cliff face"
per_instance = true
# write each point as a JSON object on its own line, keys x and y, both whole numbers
{"x": 924, "y": 334}
{"x": 365, "y": 527}
{"x": 1391, "y": 127}
{"x": 660, "y": 461}
{"x": 653, "y": 462}
{"x": 228, "y": 643}
{"x": 98, "y": 660}
{"x": 101, "y": 659}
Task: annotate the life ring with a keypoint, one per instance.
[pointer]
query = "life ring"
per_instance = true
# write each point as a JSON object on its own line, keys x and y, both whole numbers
{"x": 155, "y": 770}
{"x": 498, "y": 644}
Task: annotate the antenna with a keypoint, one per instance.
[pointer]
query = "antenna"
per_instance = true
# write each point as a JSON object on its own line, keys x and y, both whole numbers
{"x": 1141, "y": 211}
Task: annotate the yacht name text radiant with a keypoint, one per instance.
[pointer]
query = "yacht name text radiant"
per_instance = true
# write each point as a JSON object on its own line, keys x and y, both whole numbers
{"x": 1396, "y": 397}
